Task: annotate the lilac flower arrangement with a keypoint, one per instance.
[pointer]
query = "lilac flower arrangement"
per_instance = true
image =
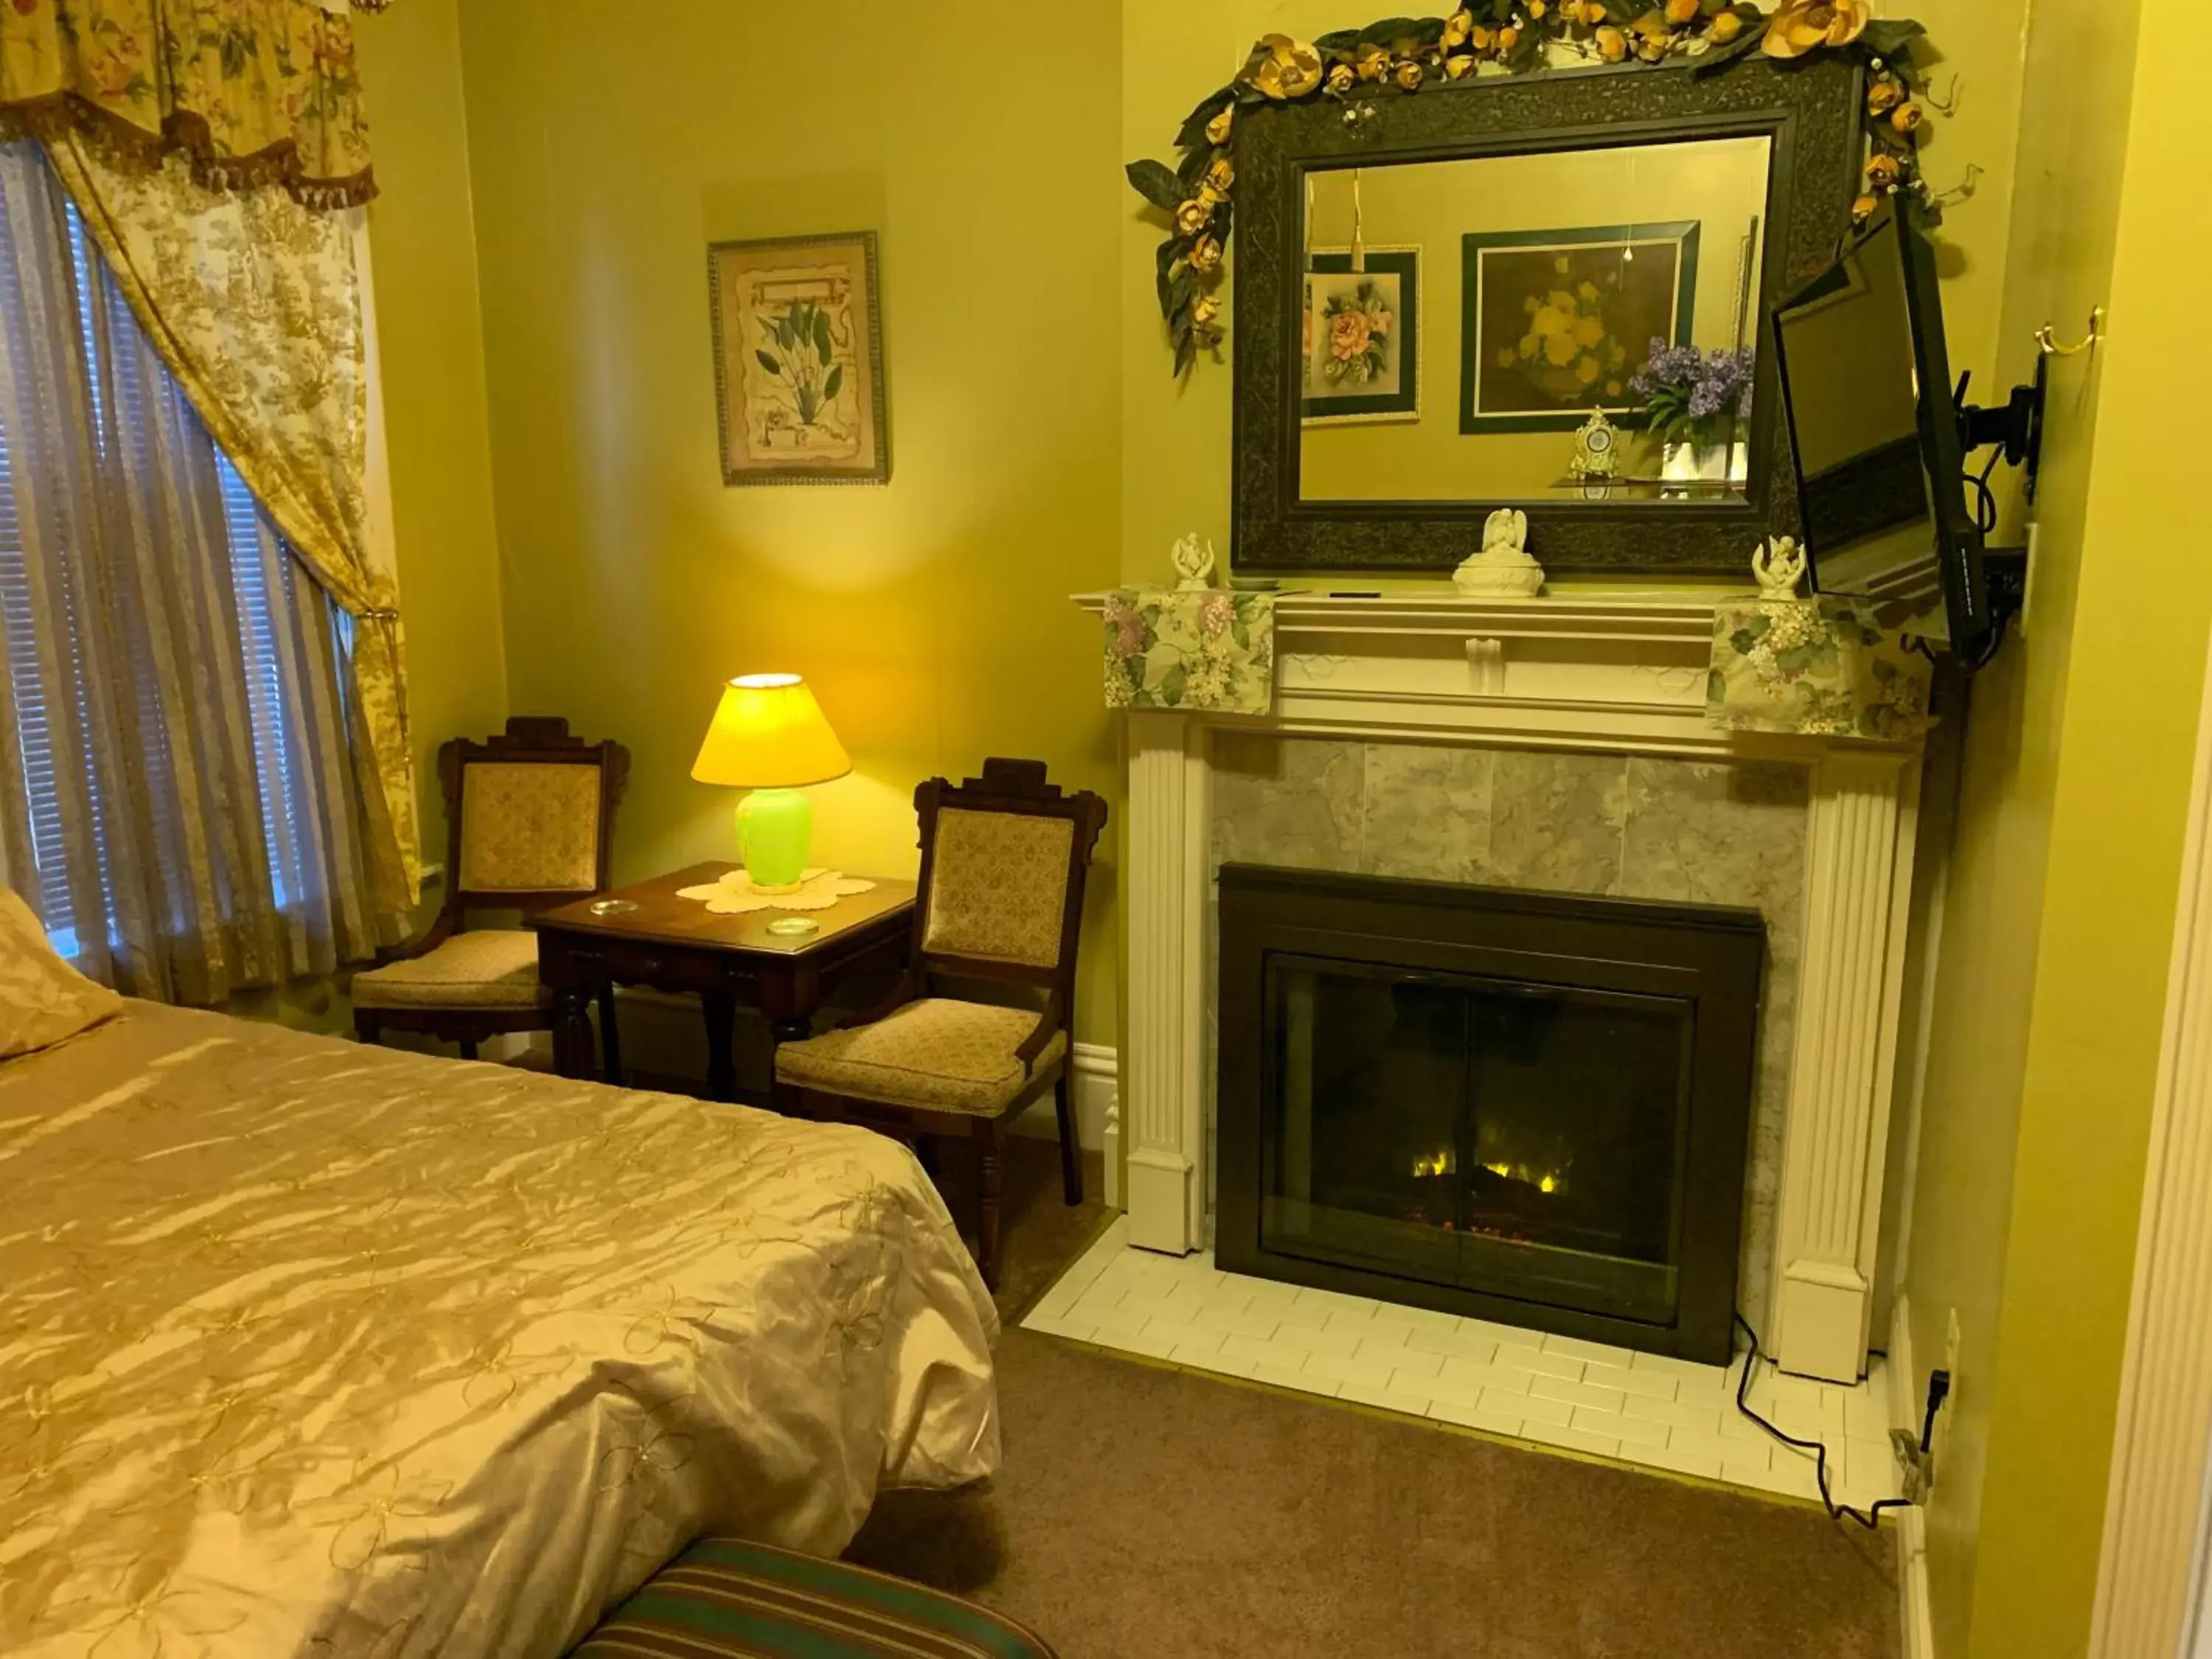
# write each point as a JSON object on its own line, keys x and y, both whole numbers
{"x": 1694, "y": 397}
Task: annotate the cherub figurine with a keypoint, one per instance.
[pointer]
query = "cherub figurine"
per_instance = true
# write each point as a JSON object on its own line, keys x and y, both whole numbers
{"x": 1194, "y": 563}
{"x": 1779, "y": 565}
{"x": 1504, "y": 567}
{"x": 1505, "y": 531}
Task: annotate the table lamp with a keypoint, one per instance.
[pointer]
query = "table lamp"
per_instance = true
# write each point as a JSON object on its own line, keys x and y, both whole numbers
{"x": 768, "y": 736}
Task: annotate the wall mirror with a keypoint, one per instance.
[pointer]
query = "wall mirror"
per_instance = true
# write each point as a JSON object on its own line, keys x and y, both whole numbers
{"x": 1445, "y": 303}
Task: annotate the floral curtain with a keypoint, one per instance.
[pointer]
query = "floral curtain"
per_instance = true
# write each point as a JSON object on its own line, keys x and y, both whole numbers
{"x": 1815, "y": 667}
{"x": 1206, "y": 649}
{"x": 253, "y": 302}
{"x": 255, "y": 91}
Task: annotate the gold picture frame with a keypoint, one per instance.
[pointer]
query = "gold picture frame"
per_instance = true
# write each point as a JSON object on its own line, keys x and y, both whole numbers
{"x": 799, "y": 384}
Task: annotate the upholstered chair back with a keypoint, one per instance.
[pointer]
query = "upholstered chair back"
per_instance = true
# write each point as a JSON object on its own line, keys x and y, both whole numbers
{"x": 529, "y": 815}
{"x": 1004, "y": 858}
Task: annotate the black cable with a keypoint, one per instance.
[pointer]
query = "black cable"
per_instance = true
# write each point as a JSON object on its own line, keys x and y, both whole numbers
{"x": 1869, "y": 1518}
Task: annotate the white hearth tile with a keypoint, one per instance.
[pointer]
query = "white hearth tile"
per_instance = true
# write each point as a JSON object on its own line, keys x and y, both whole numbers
{"x": 1182, "y": 1333}
{"x": 1576, "y": 1394}
{"x": 1495, "y": 1419}
{"x": 1404, "y": 1361}
{"x": 1464, "y": 1390}
{"x": 1454, "y": 1342}
{"x": 1749, "y": 1466}
{"x": 1552, "y": 1434}
{"x": 1557, "y": 1412}
{"x": 1348, "y": 1367}
{"x": 1471, "y": 1372}
{"x": 1672, "y": 1458}
{"x": 1152, "y": 1347}
{"x": 1285, "y": 1377}
{"x": 1672, "y": 1414}
{"x": 1376, "y": 1336}
{"x": 1651, "y": 1385}
{"x": 1391, "y": 1399}
{"x": 1237, "y": 1324}
{"x": 1207, "y": 1359}
{"x": 1261, "y": 1352}
{"x": 1489, "y": 1377}
{"x": 1598, "y": 1353}
{"x": 1310, "y": 1341}
{"x": 1121, "y": 1320}
{"x": 1075, "y": 1330}
{"x": 1539, "y": 1361}
{"x": 1624, "y": 1429}
{"x": 1866, "y": 1409}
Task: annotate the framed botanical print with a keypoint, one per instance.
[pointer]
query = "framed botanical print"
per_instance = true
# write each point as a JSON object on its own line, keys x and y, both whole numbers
{"x": 1363, "y": 337}
{"x": 1557, "y": 323}
{"x": 798, "y": 362}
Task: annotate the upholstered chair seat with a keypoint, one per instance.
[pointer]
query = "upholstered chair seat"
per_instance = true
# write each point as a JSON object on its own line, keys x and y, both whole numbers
{"x": 949, "y": 1056}
{"x": 495, "y": 968}
{"x": 1003, "y": 862}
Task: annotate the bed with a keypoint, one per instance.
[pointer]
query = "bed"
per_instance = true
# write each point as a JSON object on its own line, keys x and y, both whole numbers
{"x": 308, "y": 1348}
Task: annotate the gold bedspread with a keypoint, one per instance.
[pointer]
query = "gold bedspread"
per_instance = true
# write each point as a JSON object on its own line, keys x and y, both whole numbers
{"x": 313, "y": 1349}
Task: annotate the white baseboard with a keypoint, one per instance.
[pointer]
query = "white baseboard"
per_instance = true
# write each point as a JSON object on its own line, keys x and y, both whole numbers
{"x": 1916, "y": 1625}
{"x": 1095, "y": 1071}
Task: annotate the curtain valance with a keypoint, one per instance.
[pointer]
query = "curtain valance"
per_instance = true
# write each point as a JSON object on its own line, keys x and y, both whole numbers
{"x": 256, "y": 92}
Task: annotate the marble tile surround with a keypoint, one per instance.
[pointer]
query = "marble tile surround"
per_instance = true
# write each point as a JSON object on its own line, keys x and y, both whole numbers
{"x": 1630, "y": 826}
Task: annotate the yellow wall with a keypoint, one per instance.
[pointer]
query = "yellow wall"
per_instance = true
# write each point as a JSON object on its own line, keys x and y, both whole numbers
{"x": 431, "y": 359}
{"x": 931, "y": 614}
{"x": 2051, "y": 982}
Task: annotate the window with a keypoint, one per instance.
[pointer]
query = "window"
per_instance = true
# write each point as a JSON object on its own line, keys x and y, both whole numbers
{"x": 179, "y": 790}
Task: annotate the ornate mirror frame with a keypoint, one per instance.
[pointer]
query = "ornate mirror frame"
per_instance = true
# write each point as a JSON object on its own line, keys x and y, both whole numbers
{"x": 1811, "y": 109}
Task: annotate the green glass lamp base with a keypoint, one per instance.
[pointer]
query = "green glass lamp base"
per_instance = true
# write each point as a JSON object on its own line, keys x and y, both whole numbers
{"x": 776, "y": 828}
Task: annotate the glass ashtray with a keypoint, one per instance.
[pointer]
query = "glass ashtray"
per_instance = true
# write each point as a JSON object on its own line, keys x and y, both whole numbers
{"x": 794, "y": 927}
{"x": 612, "y": 906}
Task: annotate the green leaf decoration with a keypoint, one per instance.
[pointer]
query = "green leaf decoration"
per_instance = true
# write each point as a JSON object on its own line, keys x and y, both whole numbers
{"x": 830, "y": 385}
{"x": 1157, "y": 183}
{"x": 1194, "y": 163}
{"x": 1388, "y": 30}
{"x": 822, "y": 335}
{"x": 1886, "y": 37}
{"x": 1171, "y": 685}
{"x": 1183, "y": 288}
{"x": 1186, "y": 349}
{"x": 1168, "y": 250}
{"x": 1337, "y": 40}
{"x": 769, "y": 362}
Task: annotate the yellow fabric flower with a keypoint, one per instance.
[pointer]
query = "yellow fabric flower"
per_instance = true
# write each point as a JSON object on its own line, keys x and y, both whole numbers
{"x": 1217, "y": 130}
{"x": 1192, "y": 216}
{"x": 1341, "y": 79}
{"x": 1220, "y": 174}
{"x": 1372, "y": 63}
{"x": 1408, "y": 75}
{"x": 1457, "y": 27}
{"x": 1803, "y": 26}
{"x": 1282, "y": 67}
{"x": 1205, "y": 310}
{"x": 1206, "y": 255}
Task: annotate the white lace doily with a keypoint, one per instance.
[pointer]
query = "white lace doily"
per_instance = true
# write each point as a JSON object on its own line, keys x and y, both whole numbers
{"x": 734, "y": 894}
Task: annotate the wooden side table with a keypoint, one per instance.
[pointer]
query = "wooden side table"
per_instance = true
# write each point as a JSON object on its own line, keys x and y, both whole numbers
{"x": 678, "y": 945}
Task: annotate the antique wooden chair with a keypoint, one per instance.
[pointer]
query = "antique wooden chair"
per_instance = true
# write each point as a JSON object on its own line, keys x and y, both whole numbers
{"x": 530, "y": 819}
{"x": 1003, "y": 862}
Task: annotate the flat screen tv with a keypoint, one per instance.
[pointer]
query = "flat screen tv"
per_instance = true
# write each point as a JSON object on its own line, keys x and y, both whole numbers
{"x": 1880, "y": 439}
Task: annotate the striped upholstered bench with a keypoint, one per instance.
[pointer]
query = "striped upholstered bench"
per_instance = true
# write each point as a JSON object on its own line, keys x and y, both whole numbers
{"x": 724, "y": 1600}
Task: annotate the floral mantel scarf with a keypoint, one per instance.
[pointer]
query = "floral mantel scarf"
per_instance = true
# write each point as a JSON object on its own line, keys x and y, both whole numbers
{"x": 1814, "y": 667}
{"x": 256, "y": 92}
{"x": 1206, "y": 649}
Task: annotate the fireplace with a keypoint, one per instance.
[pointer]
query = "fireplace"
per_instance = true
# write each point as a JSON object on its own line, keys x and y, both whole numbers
{"x": 1521, "y": 1106}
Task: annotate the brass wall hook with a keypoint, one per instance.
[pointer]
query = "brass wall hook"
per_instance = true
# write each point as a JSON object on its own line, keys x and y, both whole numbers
{"x": 2046, "y": 337}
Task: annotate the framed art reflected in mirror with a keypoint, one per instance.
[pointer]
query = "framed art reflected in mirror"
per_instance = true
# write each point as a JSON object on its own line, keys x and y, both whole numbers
{"x": 1585, "y": 235}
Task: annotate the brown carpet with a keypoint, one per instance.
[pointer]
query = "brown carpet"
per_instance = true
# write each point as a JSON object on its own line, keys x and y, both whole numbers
{"x": 1149, "y": 1513}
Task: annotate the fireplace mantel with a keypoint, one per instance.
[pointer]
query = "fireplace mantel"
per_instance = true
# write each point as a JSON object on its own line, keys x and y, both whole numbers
{"x": 1620, "y": 672}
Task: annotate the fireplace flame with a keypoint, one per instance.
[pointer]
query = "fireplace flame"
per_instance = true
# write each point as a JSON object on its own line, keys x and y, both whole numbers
{"x": 1436, "y": 1163}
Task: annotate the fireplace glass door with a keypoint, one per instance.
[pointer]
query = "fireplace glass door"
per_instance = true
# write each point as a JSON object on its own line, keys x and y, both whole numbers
{"x": 1521, "y": 1139}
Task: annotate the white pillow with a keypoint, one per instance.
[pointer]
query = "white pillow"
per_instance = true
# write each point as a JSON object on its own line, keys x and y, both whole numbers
{"x": 42, "y": 998}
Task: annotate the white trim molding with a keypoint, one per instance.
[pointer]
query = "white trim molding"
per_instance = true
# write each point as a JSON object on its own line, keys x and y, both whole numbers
{"x": 1618, "y": 674}
{"x": 2151, "y": 1583}
{"x": 1916, "y": 1620}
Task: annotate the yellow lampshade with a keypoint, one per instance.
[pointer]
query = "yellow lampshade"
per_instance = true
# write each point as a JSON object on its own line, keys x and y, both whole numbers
{"x": 768, "y": 734}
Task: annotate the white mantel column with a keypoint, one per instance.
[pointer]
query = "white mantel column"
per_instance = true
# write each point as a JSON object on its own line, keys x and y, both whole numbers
{"x": 1163, "y": 1079}
{"x": 1859, "y": 878}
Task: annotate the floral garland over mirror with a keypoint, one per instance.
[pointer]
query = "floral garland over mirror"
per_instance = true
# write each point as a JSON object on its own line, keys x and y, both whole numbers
{"x": 1402, "y": 55}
